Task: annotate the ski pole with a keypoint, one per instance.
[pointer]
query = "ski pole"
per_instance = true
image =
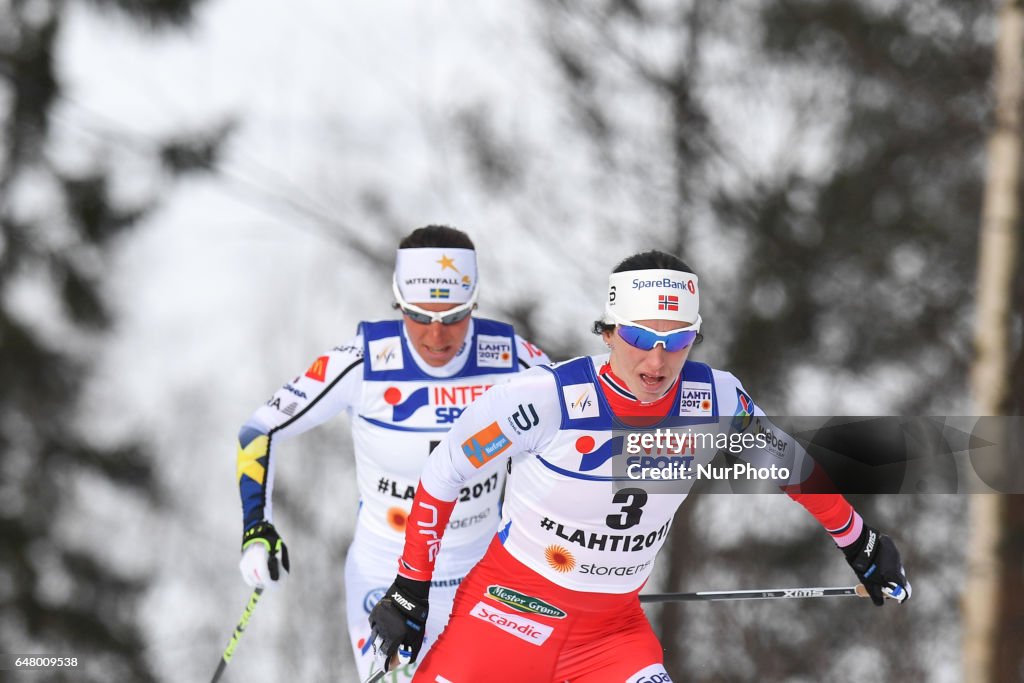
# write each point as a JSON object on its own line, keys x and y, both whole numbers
{"x": 765, "y": 594}
{"x": 376, "y": 676}
{"x": 377, "y": 671}
{"x": 237, "y": 635}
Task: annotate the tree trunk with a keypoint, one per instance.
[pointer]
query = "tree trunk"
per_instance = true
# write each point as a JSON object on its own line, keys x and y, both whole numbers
{"x": 990, "y": 375}
{"x": 1010, "y": 634}
{"x": 681, "y": 563}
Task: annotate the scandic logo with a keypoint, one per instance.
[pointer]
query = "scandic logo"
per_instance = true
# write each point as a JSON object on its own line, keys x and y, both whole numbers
{"x": 318, "y": 370}
{"x": 524, "y": 603}
{"x": 525, "y": 629}
{"x": 485, "y": 445}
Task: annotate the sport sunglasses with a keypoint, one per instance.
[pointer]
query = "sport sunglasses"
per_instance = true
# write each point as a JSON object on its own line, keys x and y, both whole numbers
{"x": 645, "y": 339}
{"x": 425, "y": 317}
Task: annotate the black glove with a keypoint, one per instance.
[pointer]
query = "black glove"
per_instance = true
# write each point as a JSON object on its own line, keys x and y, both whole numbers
{"x": 877, "y": 563}
{"x": 266, "y": 535}
{"x": 399, "y": 618}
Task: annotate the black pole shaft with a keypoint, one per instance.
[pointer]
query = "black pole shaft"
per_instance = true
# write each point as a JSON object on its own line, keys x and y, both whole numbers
{"x": 766, "y": 594}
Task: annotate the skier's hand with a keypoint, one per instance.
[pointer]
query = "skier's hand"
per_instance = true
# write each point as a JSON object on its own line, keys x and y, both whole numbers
{"x": 876, "y": 561}
{"x": 261, "y": 546}
{"x": 398, "y": 619}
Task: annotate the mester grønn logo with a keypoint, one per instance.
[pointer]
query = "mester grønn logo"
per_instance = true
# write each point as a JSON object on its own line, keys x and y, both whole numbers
{"x": 523, "y": 603}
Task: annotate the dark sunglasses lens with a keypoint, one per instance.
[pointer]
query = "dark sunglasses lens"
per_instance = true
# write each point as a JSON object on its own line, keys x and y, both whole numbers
{"x": 456, "y": 317}
{"x": 417, "y": 317}
{"x": 446, "y": 319}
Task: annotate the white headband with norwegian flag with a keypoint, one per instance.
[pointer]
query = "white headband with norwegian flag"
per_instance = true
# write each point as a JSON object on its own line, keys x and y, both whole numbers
{"x": 655, "y": 294}
{"x": 436, "y": 275}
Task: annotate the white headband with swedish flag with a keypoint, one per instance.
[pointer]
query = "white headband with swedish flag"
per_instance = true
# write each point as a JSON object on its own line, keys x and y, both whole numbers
{"x": 436, "y": 274}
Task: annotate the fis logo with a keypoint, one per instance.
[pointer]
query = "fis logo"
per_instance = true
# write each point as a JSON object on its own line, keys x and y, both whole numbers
{"x": 385, "y": 354}
{"x": 668, "y": 302}
{"x": 580, "y": 401}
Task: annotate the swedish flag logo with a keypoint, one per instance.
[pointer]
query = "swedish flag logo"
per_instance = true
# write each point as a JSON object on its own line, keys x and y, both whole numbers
{"x": 251, "y": 460}
{"x": 440, "y": 293}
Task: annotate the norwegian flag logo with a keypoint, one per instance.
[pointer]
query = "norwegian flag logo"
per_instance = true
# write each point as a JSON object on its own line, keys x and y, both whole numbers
{"x": 668, "y": 302}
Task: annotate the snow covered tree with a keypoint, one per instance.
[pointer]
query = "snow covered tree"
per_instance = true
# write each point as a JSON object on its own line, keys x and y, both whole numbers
{"x": 60, "y": 215}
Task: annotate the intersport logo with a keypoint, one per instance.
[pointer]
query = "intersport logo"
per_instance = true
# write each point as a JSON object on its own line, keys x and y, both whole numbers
{"x": 514, "y": 624}
{"x": 448, "y": 402}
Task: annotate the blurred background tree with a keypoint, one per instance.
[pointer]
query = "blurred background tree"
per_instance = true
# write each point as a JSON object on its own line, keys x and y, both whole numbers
{"x": 993, "y": 609}
{"x": 61, "y": 210}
